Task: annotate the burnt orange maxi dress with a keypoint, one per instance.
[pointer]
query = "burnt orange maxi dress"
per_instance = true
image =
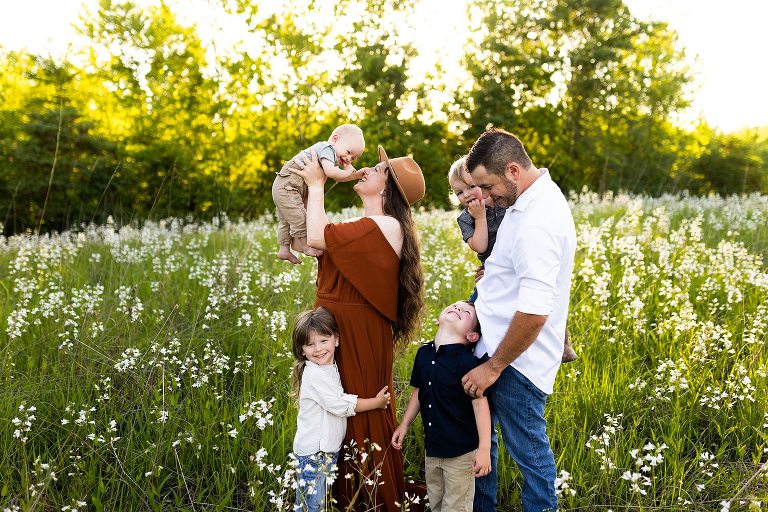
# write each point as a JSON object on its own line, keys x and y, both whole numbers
{"x": 357, "y": 281}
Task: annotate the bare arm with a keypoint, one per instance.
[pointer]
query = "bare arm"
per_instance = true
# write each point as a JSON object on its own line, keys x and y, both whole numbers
{"x": 521, "y": 333}
{"x": 481, "y": 462}
{"x": 315, "y": 177}
{"x": 380, "y": 401}
{"x": 478, "y": 242}
{"x": 316, "y": 217}
{"x": 411, "y": 411}
{"x": 333, "y": 171}
{"x": 347, "y": 173}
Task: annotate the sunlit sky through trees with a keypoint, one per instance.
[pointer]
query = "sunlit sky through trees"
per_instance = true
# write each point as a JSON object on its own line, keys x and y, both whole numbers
{"x": 723, "y": 42}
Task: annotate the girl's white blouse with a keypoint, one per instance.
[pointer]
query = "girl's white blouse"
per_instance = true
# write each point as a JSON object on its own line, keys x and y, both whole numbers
{"x": 323, "y": 410}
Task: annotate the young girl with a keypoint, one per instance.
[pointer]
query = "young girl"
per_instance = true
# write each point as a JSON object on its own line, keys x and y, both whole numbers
{"x": 323, "y": 406}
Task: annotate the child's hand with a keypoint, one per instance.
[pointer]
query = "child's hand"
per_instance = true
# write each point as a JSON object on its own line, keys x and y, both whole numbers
{"x": 479, "y": 273}
{"x": 476, "y": 205}
{"x": 476, "y": 208}
{"x": 353, "y": 175}
{"x": 398, "y": 436}
{"x": 356, "y": 174}
{"x": 481, "y": 462}
{"x": 382, "y": 398}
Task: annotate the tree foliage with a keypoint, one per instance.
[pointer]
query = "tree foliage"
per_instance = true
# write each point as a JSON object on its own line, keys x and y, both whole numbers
{"x": 153, "y": 119}
{"x": 589, "y": 87}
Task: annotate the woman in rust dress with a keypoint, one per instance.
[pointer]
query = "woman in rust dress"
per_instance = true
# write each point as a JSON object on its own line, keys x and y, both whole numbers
{"x": 370, "y": 278}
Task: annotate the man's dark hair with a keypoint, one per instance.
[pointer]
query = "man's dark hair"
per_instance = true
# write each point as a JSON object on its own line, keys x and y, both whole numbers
{"x": 494, "y": 150}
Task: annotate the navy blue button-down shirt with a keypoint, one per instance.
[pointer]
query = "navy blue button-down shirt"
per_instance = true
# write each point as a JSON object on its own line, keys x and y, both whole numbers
{"x": 446, "y": 411}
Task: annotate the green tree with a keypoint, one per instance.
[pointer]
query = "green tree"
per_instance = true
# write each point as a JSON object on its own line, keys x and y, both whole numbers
{"x": 155, "y": 70}
{"x": 332, "y": 76}
{"x": 377, "y": 76}
{"x": 587, "y": 87}
{"x": 731, "y": 164}
{"x": 56, "y": 169}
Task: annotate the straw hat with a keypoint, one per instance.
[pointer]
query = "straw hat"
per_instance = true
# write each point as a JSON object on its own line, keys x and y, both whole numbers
{"x": 407, "y": 175}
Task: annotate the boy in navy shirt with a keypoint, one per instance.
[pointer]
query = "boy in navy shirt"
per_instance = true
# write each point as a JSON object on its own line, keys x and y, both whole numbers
{"x": 457, "y": 428}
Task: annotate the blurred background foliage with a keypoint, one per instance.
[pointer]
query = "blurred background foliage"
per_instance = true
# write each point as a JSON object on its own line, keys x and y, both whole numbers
{"x": 148, "y": 120}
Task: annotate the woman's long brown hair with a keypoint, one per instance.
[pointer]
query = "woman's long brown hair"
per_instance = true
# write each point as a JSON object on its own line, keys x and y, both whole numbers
{"x": 410, "y": 295}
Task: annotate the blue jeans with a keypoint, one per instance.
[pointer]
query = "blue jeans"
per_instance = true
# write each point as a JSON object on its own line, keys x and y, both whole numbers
{"x": 518, "y": 407}
{"x": 313, "y": 473}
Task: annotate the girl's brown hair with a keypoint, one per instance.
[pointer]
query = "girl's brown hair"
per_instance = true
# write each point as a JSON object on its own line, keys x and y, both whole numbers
{"x": 318, "y": 320}
{"x": 410, "y": 295}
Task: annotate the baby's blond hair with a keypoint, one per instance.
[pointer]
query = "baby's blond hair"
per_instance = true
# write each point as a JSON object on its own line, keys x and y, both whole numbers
{"x": 458, "y": 168}
{"x": 348, "y": 130}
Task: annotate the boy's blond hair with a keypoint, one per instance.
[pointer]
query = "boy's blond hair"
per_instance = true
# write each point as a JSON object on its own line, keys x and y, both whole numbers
{"x": 458, "y": 168}
{"x": 345, "y": 130}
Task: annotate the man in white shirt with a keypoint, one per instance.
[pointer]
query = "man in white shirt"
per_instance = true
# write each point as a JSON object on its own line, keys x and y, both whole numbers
{"x": 522, "y": 306}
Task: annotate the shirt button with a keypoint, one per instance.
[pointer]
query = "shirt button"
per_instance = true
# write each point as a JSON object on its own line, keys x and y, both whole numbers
{"x": 433, "y": 362}
{"x": 430, "y": 406}
{"x": 430, "y": 383}
{"x": 430, "y": 423}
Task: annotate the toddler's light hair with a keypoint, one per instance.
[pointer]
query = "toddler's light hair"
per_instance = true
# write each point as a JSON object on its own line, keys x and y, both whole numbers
{"x": 458, "y": 168}
{"x": 455, "y": 173}
{"x": 350, "y": 130}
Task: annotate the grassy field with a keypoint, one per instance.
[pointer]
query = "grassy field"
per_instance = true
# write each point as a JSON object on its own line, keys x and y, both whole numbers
{"x": 147, "y": 369}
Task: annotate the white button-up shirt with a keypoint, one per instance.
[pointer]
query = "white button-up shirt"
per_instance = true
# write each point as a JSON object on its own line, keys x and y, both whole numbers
{"x": 323, "y": 410}
{"x": 530, "y": 271}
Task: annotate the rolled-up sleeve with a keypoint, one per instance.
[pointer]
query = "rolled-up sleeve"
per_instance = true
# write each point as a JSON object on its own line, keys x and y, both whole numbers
{"x": 537, "y": 258}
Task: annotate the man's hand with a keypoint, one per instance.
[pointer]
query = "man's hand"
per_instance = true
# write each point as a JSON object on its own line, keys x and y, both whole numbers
{"x": 480, "y": 379}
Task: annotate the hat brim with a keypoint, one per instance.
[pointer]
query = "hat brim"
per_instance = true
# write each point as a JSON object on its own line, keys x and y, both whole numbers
{"x": 383, "y": 157}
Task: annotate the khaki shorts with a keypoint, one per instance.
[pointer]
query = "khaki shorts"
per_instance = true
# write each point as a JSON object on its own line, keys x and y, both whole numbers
{"x": 289, "y": 192}
{"x": 450, "y": 483}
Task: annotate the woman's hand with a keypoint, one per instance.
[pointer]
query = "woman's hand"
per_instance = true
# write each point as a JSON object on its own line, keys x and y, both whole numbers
{"x": 310, "y": 169}
{"x": 314, "y": 178}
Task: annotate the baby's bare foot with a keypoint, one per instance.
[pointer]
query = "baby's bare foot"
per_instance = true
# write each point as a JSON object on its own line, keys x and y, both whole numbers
{"x": 300, "y": 245}
{"x": 311, "y": 251}
{"x": 286, "y": 254}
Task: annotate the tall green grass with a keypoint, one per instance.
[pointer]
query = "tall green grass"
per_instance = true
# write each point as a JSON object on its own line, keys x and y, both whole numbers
{"x": 149, "y": 368}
